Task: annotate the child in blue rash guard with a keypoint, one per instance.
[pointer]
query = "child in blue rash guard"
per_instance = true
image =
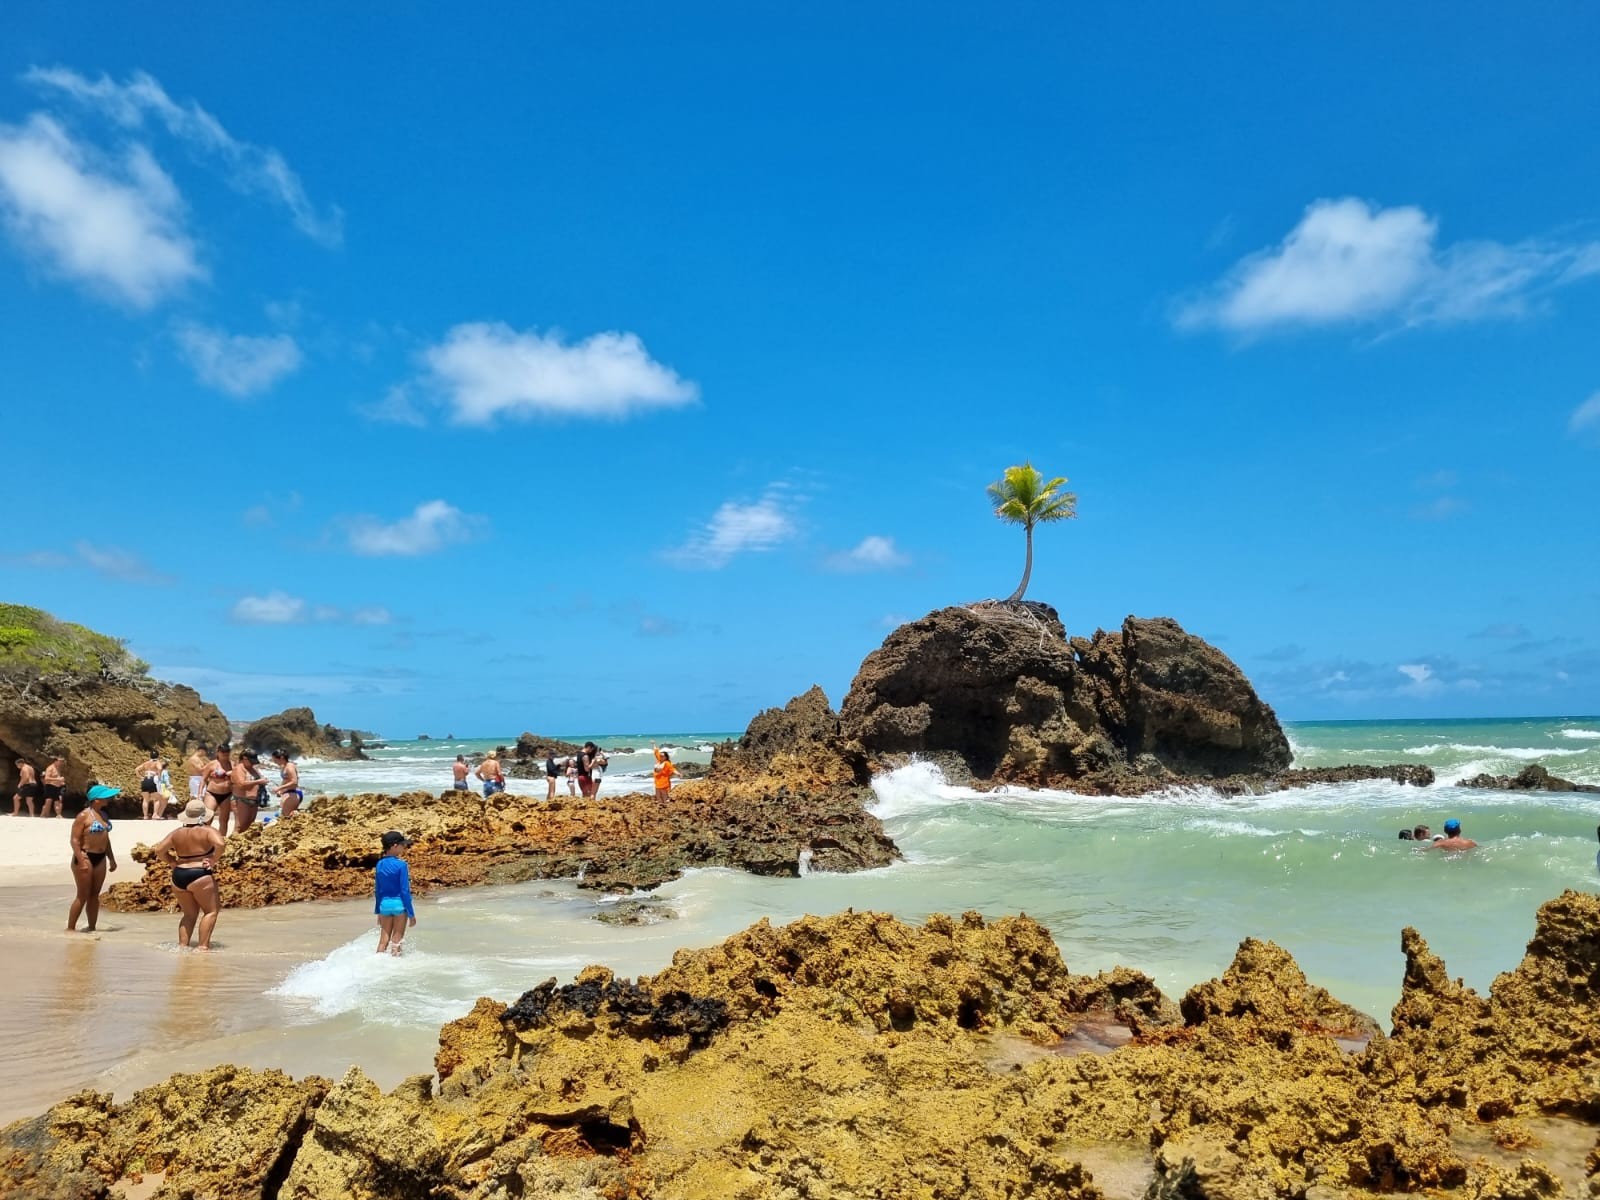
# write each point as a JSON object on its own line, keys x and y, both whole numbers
{"x": 393, "y": 894}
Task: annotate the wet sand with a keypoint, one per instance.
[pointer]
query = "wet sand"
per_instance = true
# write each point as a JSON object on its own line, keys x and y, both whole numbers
{"x": 124, "y": 1007}
{"x": 37, "y": 850}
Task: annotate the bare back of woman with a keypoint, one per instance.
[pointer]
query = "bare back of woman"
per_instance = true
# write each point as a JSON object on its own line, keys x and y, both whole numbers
{"x": 192, "y": 851}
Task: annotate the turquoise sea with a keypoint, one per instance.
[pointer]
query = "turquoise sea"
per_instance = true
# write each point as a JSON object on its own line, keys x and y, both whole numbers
{"x": 1168, "y": 884}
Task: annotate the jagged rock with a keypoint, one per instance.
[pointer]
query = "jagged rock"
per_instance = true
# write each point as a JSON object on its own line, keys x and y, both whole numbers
{"x": 620, "y": 842}
{"x": 636, "y": 912}
{"x": 801, "y": 739}
{"x": 856, "y": 1055}
{"x": 1532, "y": 778}
{"x": 1001, "y": 686}
{"x": 70, "y": 691}
{"x": 298, "y": 731}
{"x": 537, "y": 748}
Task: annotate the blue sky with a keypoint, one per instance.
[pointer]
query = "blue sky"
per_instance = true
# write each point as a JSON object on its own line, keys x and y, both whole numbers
{"x": 614, "y": 367}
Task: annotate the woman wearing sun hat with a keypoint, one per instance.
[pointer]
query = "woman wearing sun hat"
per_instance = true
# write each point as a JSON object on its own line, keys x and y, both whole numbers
{"x": 192, "y": 851}
{"x": 92, "y": 855}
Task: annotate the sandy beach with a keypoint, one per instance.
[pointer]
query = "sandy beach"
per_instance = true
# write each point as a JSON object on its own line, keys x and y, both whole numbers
{"x": 34, "y": 850}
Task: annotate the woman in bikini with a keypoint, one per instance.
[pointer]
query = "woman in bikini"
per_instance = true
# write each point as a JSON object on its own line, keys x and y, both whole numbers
{"x": 247, "y": 788}
{"x": 219, "y": 786}
{"x": 92, "y": 855}
{"x": 192, "y": 851}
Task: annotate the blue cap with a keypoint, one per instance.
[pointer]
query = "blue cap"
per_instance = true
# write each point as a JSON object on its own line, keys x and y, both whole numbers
{"x": 101, "y": 792}
{"x": 1452, "y": 826}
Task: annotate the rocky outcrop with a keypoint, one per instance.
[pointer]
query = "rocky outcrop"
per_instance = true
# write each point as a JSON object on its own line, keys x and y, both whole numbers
{"x": 856, "y": 1055}
{"x": 461, "y": 838}
{"x": 70, "y": 691}
{"x": 526, "y": 759}
{"x": 804, "y": 733}
{"x": 1532, "y": 778}
{"x": 1001, "y": 686}
{"x": 298, "y": 731}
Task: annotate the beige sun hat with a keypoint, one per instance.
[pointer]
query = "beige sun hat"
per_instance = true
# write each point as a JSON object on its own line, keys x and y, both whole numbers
{"x": 194, "y": 813}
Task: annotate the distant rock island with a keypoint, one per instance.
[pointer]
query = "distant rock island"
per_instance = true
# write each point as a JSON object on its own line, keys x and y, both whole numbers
{"x": 298, "y": 731}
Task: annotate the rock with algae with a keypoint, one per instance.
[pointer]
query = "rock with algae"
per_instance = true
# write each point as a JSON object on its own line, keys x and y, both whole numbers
{"x": 856, "y": 1055}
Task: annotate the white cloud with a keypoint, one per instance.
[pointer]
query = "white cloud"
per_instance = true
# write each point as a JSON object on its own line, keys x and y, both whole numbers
{"x": 122, "y": 565}
{"x": 249, "y": 168}
{"x": 737, "y": 528}
{"x": 487, "y": 370}
{"x": 1423, "y": 680}
{"x": 280, "y": 608}
{"x": 1347, "y": 262}
{"x": 431, "y": 527}
{"x": 115, "y": 227}
{"x": 875, "y": 553}
{"x": 237, "y": 363}
{"x": 396, "y": 408}
{"x": 275, "y": 608}
{"x": 1586, "y": 417}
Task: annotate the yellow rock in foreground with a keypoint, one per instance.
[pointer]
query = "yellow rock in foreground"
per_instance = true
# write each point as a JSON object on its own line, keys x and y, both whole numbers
{"x": 855, "y": 1055}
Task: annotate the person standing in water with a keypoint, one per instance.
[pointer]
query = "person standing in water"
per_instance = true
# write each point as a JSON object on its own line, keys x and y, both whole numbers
{"x": 460, "y": 770}
{"x": 570, "y": 770}
{"x": 598, "y": 762}
{"x": 55, "y": 786}
{"x": 552, "y": 772}
{"x": 290, "y": 794}
{"x": 1452, "y": 839}
{"x": 392, "y": 894}
{"x": 150, "y": 788}
{"x": 27, "y": 788}
{"x": 193, "y": 850}
{"x": 663, "y": 773}
{"x": 92, "y": 856}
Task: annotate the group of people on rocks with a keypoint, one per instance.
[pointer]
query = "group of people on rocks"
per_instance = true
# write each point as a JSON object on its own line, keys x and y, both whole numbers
{"x": 583, "y": 772}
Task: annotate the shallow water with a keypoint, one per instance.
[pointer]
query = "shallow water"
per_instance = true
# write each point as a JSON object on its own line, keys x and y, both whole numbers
{"x": 1168, "y": 884}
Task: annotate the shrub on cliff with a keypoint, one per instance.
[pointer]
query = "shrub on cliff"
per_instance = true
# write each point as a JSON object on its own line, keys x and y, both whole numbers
{"x": 34, "y": 645}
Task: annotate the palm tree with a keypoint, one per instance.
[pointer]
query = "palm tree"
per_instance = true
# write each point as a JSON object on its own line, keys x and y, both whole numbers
{"x": 1022, "y": 497}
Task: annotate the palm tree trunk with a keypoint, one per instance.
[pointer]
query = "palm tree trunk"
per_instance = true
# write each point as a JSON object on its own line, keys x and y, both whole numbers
{"x": 1027, "y": 570}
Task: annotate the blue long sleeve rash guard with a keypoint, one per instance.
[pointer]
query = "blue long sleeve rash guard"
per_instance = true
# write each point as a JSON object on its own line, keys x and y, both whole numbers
{"x": 394, "y": 879}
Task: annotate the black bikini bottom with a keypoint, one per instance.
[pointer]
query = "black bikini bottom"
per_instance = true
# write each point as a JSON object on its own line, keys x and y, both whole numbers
{"x": 95, "y": 857}
{"x": 182, "y": 877}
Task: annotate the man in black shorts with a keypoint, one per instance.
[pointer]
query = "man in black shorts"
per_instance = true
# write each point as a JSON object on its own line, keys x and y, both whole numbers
{"x": 27, "y": 788}
{"x": 55, "y": 786}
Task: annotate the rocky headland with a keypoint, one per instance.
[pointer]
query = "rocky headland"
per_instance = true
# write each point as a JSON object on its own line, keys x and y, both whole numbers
{"x": 620, "y": 843}
{"x": 856, "y": 1055}
{"x": 1532, "y": 778}
{"x": 68, "y": 690}
{"x": 298, "y": 731}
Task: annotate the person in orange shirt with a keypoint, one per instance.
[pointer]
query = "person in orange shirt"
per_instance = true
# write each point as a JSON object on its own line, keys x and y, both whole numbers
{"x": 663, "y": 773}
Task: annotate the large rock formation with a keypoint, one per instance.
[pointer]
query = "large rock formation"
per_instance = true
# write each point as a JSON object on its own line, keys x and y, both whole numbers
{"x": 856, "y": 1055}
{"x": 612, "y": 842}
{"x": 1001, "y": 686}
{"x": 526, "y": 759}
{"x": 1532, "y": 778}
{"x": 298, "y": 731}
{"x": 70, "y": 691}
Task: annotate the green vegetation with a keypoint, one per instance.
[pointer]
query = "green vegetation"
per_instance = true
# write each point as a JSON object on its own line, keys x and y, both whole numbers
{"x": 1023, "y": 497}
{"x": 34, "y": 645}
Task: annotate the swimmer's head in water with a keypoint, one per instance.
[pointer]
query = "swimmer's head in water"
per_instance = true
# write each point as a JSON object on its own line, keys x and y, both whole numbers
{"x": 1421, "y": 833}
{"x": 1452, "y": 827}
{"x": 1405, "y": 835}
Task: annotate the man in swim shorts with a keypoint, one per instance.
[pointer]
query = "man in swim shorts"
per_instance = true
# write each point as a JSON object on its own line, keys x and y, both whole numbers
{"x": 196, "y": 765}
{"x": 494, "y": 779}
{"x": 1452, "y": 839}
{"x": 27, "y": 788}
{"x": 460, "y": 770}
{"x": 55, "y": 786}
